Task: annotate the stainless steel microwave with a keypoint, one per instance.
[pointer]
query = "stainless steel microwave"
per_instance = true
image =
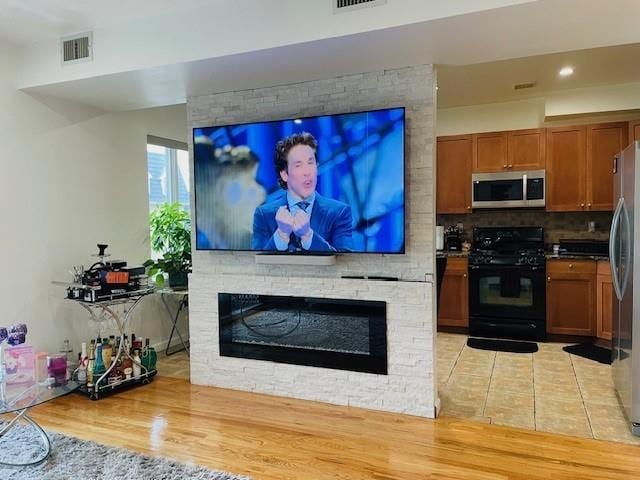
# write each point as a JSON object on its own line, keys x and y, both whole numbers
{"x": 508, "y": 189}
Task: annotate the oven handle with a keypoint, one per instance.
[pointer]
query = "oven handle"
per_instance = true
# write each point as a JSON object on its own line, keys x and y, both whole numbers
{"x": 524, "y": 188}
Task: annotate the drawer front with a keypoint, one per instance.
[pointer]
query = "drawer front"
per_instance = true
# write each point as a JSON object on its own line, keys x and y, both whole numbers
{"x": 571, "y": 266}
{"x": 457, "y": 263}
{"x": 604, "y": 268}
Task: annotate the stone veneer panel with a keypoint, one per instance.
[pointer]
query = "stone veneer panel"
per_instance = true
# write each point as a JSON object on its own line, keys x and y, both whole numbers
{"x": 411, "y": 88}
{"x": 409, "y": 387}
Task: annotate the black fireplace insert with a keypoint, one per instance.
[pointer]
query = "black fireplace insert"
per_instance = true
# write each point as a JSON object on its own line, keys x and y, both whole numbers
{"x": 320, "y": 332}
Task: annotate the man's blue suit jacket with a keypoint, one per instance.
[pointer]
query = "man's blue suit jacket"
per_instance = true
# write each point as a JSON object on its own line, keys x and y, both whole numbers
{"x": 330, "y": 221}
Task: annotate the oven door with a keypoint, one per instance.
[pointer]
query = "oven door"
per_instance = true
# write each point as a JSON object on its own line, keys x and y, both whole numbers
{"x": 513, "y": 293}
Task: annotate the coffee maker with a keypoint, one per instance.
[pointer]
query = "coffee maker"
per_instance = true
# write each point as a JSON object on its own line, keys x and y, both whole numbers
{"x": 453, "y": 239}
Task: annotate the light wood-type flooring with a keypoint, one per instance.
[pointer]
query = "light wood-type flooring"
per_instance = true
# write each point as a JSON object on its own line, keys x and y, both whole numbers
{"x": 269, "y": 437}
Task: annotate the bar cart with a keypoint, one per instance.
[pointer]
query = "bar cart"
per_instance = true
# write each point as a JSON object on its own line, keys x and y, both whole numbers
{"x": 108, "y": 307}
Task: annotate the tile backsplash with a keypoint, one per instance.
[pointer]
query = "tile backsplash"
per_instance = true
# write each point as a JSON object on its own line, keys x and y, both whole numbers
{"x": 556, "y": 225}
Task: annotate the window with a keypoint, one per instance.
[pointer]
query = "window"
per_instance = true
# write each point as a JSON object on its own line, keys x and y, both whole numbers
{"x": 168, "y": 172}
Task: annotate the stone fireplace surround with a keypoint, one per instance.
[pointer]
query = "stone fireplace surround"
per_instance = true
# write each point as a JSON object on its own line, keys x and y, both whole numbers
{"x": 409, "y": 386}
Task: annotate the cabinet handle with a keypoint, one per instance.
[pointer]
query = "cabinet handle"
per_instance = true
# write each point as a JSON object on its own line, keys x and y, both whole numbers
{"x": 504, "y": 166}
{"x": 588, "y": 205}
{"x": 548, "y": 279}
{"x": 469, "y": 207}
{"x": 582, "y": 205}
{"x": 464, "y": 275}
{"x": 571, "y": 265}
{"x": 510, "y": 166}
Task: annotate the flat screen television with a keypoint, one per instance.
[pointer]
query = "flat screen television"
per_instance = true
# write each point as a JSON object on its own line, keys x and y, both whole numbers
{"x": 309, "y": 185}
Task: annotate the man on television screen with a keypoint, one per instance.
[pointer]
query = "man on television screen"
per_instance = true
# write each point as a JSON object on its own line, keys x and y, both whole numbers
{"x": 300, "y": 219}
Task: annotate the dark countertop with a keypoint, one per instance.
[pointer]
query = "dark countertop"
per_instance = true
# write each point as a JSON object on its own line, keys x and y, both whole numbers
{"x": 553, "y": 256}
{"x": 447, "y": 253}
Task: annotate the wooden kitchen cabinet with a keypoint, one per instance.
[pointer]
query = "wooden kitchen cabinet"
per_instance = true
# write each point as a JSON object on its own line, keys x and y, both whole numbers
{"x": 526, "y": 149}
{"x": 604, "y": 141}
{"x": 580, "y": 166}
{"x": 604, "y": 315}
{"x": 509, "y": 151}
{"x": 566, "y": 169}
{"x": 490, "y": 152}
{"x": 454, "y": 157}
{"x": 571, "y": 297}
{"x": 634, "y": 131}
{"x": 454, "y": 297}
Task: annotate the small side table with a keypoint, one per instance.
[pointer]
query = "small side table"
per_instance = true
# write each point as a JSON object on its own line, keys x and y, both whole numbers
{"x": 17, "y": 400}
{"x": 175, "y": 316}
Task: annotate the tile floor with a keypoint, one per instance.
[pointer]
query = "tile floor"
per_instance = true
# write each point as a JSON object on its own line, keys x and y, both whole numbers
{"x": 174, "y": 366}
{"x": 549, "y": 390}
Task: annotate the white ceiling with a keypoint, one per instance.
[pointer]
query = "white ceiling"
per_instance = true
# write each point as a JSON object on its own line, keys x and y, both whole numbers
{"x": 535, "y": 28}
{"x": 493, "y": 81}
{"x": 24, "y": 22}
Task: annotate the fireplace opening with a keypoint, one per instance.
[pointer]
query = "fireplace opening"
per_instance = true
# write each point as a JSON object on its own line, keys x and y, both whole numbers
{"x": 321, "y": 332}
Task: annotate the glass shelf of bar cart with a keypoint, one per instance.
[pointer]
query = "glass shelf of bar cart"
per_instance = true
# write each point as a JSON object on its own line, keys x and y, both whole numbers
{"x": 109, "y": 308}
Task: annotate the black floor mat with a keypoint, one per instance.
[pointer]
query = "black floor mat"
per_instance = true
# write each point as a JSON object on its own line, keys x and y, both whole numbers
{"x": 502, "y": 345}
{"x": 592, "y": 352}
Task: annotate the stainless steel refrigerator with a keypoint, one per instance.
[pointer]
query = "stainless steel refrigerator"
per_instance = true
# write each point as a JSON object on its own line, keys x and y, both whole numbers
{"x": 625, "y": 270}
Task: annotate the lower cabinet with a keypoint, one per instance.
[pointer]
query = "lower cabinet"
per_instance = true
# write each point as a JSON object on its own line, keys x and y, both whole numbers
{"x": 454, "y": 297}
{"x": 571, "y": 297}
{"x": 604, "y": 318}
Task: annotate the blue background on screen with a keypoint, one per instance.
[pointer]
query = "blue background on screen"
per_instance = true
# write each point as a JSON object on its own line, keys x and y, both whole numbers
{"x": 360, "y": 162}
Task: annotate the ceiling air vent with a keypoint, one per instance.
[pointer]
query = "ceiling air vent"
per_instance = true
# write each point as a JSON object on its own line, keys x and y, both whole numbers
{"x": 522, "y": 86}
{"x": 348, "y": 5}
{"x": 77, "y": 48}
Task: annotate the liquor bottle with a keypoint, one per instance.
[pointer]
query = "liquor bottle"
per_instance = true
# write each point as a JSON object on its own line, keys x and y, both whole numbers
{"x": 137, "y": 369}
{"x": 107, "y": 349}
{"x": 133, "y": 341}
{"x": 82, "y": 365}
{"x": 91, "y": 364}
{"x": 98, "y": 368}
{"x": 149, "y": 356}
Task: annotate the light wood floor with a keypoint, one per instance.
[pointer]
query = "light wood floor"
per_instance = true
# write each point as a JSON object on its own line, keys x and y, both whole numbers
{"x": 275, "y": 438}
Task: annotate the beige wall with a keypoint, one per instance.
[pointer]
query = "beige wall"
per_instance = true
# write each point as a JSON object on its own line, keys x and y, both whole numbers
{"x": 567, "y": 107}
{"x": 73, "y": 177}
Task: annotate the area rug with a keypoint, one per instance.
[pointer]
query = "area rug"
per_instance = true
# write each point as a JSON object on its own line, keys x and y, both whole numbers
{"x": 72, "y": 459}
{"x": 498, "y": 345}
{"x": 590, "y": 351}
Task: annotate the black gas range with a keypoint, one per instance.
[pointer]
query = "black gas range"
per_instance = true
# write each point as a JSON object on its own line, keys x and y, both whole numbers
{"x": 507, "y": 283}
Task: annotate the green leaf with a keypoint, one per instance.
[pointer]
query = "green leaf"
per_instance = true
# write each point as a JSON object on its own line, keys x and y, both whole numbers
{"x": 170, "y": 228}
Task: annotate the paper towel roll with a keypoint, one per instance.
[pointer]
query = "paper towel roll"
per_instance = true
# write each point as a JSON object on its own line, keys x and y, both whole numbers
{"x": 439, "y": 237}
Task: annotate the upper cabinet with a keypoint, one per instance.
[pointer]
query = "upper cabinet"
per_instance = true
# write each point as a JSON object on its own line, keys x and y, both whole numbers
{"x": 604, "y": 141}
{"x": 566, "y": 169}
{"x": 526, "y": 149}
{"x": 454, "y": 156}
{"x": 513, "y": 150}
{"x": 578, "y": 161}
{"x": 580, "y": 166}
{"x": 634, "y": 130}
{"x": 490, "y": 152}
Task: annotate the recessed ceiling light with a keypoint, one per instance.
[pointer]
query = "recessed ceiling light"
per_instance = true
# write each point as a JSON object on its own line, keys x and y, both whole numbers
{"x": 565, "y": 71}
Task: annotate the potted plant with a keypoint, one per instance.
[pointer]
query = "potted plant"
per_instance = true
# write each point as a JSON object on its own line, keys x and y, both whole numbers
{"x": 171, "y": 238}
